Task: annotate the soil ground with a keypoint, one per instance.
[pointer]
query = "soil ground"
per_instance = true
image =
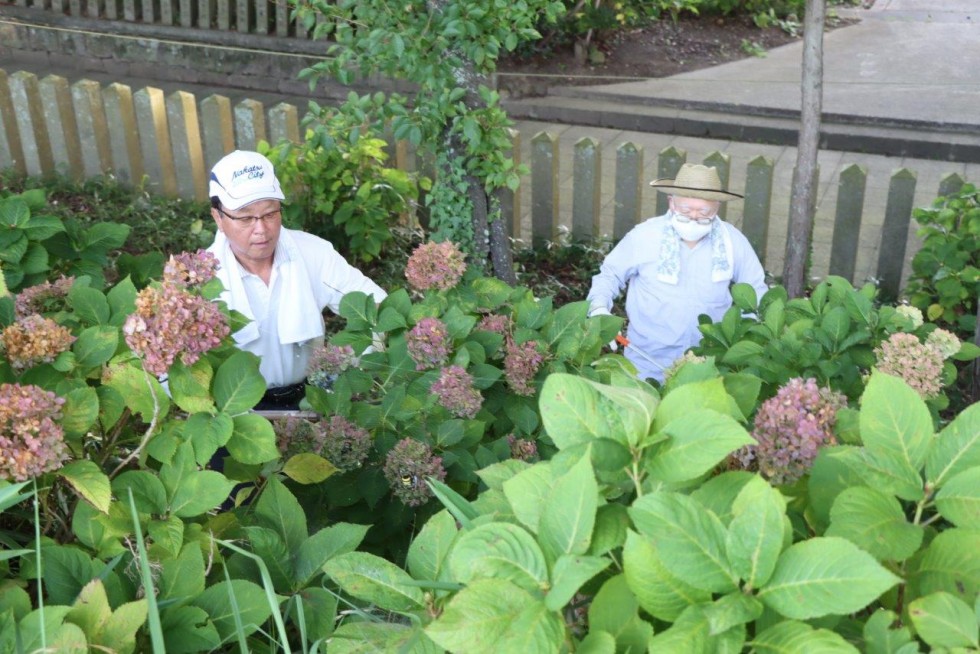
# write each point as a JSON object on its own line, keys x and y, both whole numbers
{"x": 660, "y": 49}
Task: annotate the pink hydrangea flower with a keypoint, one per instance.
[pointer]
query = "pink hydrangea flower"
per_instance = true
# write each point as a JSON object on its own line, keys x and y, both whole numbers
{"x": 170, "y": 322}
{"x": 789, "y": 430}
{"x": 43, "y": 297}
{"x": 31, "y": 440}
{"x": 190, "y": 269}
{"x": 428, "y": 343}
{"x": 435, "y": 265}
{"x": 496, "y": 323}
{"x": 406, "y": 468}
{"x": 337, "y": 439}
{"x": 946, "y": 342}
{"x": 522, "y": 448}
{"x": 456, "y": 393}
{"x": 521, "y": 364}
{"x": 33, "y": 340}
{"x": 919, "y": 364}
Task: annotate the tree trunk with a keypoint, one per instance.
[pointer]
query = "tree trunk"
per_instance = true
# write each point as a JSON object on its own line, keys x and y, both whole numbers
{"x": 805, "y": 174}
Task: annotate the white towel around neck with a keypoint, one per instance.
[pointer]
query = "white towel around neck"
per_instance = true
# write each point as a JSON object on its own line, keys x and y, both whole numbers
{"x": 722, "y": 254}
{"x": 299, "y": 318}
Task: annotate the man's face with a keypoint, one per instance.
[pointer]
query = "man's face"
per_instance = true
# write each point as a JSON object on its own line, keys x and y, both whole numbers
{"x": 694, "y": 209}
{"x": 252, "y": 231}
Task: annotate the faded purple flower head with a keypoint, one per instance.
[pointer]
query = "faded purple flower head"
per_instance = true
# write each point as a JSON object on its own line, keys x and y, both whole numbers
{"x": 918, "y": 364}
{"x": 522, "y": 448}
{"x": 456, "y": 393}
{"x": 435, "y": 265}
{"x": 789, "y": 430}
{"x": 33, "y": 340}
{"x": 326, "y": 362}
{"x": 406, "y": 468}
{"x": 190, "y": 269}
{"x": 43, "y": 298}
{"x": 428, "y": 343}
{"x": 170, "y": 322}
{"x": 521, "y": 364}
{"x": 346, "y": 445}
{"x": 496, "y": 323}
{"x": 296, "y": 435}
{"x": 31, "y": 440}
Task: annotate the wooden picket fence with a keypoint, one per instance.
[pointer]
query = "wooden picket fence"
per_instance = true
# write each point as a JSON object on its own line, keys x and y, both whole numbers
{"x": 263, "y": 17}
{"x": 168, "y": 144}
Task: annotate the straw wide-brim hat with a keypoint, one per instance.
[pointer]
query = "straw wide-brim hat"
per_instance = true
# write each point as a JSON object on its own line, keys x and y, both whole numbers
{"x": 696, "y": 181}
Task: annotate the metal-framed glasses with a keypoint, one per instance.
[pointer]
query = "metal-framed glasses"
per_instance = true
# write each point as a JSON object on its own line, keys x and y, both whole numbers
{"x": 690, "y": 215}
{"x": 249, "y": 221}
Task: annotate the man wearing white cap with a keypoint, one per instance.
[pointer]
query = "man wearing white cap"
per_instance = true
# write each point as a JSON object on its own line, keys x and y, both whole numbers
{"x": 677, "y": 266}
{"x": 280, "y": 278}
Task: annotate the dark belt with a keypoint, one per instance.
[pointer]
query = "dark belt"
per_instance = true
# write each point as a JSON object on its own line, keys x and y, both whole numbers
{"x": 284, "y": 396}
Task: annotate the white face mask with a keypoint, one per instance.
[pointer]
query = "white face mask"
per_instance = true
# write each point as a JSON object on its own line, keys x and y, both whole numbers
{"x": 689, "y": 231}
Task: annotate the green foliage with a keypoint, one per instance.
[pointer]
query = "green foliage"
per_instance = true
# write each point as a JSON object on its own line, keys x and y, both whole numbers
{"x": 945, "y": 277}
{"x": 336, "y": 182}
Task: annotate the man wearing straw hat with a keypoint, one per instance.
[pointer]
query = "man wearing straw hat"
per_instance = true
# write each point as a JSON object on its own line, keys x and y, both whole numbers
{"x": 677, "y": 266}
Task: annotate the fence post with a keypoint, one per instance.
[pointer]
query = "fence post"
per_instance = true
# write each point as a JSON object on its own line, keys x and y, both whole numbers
{"x": 757, "y": 205}
{"x": 950, "y": 185}
{"x": 249, "y": 124}
{"x": 510, "y": 200}
{"x": 628, "y": 197}
{"x": 284, "y": 123}
{"x": 586, "y": 189}
{"x": 217, "y": 128}
{"x": 241, "y": 15}
{"x": 282, "y": 19}
{"x": 11, "y": 152}
{"x": 59, "y": 116}
{"x": 167, "y": 12}
{"x": 669, "y": 162}
{"x": 261, "y": 17}
{"x": 129, "y": 10}
{"x": 185, "y": 139}
{"x": 147, "y": 12}
{"x": 29, "y": 116}
{"x": 544, "y": 189}
{"x": 151, "y": 119}
{"x": 224, "y": 15}
{"x": 723, "y": 164}
{"x": 205, "y": 14}
{"x": 124, "y": 142}
{"x": 93, "y": 131}
{"x": 847, "y": 221}
{"x": 895, "y": 232}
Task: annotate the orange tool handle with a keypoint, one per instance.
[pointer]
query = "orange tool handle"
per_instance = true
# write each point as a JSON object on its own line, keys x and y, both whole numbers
{"x": 622, "y": 340}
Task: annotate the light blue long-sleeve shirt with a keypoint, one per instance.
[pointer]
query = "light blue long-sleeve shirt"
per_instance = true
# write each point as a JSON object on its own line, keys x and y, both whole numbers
{"x": 663, "y": 317}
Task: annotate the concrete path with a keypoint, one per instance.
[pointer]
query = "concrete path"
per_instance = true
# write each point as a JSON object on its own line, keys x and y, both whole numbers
{"x": 902, "y": 80}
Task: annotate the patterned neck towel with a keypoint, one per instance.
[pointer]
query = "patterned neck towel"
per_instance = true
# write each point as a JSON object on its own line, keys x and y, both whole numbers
{"x": 722, "y": 259}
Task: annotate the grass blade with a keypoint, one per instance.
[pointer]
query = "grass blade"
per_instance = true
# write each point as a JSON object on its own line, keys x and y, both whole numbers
{"x": 153, "y": 613}
{"x": 270, "y": 592}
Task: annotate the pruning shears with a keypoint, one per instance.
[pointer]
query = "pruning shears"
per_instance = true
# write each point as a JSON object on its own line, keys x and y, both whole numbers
{"x": 625, "y": 342}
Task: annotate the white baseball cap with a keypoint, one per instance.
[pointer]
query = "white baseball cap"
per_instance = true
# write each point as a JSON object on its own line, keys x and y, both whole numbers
{"x": 243, "y": 177}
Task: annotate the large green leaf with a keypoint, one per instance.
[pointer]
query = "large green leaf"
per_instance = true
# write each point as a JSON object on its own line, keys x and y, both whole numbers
{"x": 41, "y": 228}
{"x": 104, "y": 628}
{"x": 167, "y": 536}
{"x": 957, "y": 447}
{"x": 80, "y": 410}
{"x": 373, "y": 579}
{"x": 886, "y": 471}
{"x": 238, "y": 599}
{"x": 885, "y": 634}
{"x": 95, "y": 346}
{"x": 690, "y": 540}
{"x": 192, "y": 492}
{"x": 89, "y": 305}
{"x": 690, "y": 634}
{"x": 499, "y": 550}
{"x": 696, "y": 443}
{"x": 950, "y": 563}
{"x": 527, "y": 492}
{"x": 944, "y": 620}
{"x": 308, "y": 468}
{"x": 359, "y": 309}
{"x": 374, "y": 637}
{"x": 875, "y": 522}
{"x": 493, "y": 615}
{"x": 325, "y": 544}
{"x": 825, "y": 576}
{"x": 206, "y": 433}
{"x": 89, "y": 481}
{"x": 660, "y": 592}
{"x": 569, "y": 512}
{"x": 190, "y": 386}
{"x": 182, "y": 578}
{"x": 690, "y": 398}
{"x": 959, "y": 500}
{"x": 570, "y": 572}
{"x": 895, "y": 422}
{"x": 615, "y": 610}
{"x": 755, "y": 533}
{"x": 122, "y": 301}
{"x": 148, "y": 492}
{"x": 279, "y": 510}
{"x": 575, "y": 410}
{"x": 105, "y": 236}
{"x": 792, "y": 636}
{"x": 141, "y": 391}
{"x": 427, "y": 554}
{"x": 66, "y": 570}
{"x": 238, "y": 386}
{"x": 732, "y": 610}
{"x": 187, "y": 629}
{"x": 253, "y": 440}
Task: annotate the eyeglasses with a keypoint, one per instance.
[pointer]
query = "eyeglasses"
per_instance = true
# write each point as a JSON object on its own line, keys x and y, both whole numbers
{"x": 249, "y": 221}
{"x": 691, "y": 215}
